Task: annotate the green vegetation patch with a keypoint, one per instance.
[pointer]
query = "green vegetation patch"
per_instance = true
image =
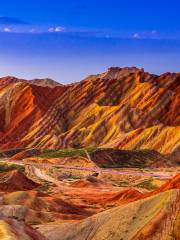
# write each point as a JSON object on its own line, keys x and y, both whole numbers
{"x": 4, "y": 167}
{"x": 70, "y": 152}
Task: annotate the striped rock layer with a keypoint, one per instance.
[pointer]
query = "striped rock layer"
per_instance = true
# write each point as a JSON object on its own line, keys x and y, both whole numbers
{"x": 123, "y": 108}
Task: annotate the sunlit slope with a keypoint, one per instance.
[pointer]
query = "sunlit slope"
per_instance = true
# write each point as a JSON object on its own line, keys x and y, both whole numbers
{"x": 122, "y": 108}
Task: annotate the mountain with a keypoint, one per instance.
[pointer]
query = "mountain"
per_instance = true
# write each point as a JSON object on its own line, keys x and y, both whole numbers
{"x": 122, "y": 108}
{"x": 44, "y": 82}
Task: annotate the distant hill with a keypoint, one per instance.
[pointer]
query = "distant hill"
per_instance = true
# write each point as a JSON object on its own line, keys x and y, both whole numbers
{"x": 45, "y": 82}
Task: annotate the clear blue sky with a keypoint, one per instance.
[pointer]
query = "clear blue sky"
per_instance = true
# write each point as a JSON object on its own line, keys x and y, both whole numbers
{"x": 67, "y": 40}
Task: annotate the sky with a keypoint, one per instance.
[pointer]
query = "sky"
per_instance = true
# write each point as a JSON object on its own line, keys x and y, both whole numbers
{"x": 68, "y": 40}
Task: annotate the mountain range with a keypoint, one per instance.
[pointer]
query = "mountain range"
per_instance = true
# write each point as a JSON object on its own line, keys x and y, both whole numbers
{"x": 122, "y": 108}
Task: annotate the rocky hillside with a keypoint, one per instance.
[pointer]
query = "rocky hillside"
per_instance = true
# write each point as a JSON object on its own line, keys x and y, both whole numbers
{"x": 123, "y": 108}
{"x": 154, "y": 218}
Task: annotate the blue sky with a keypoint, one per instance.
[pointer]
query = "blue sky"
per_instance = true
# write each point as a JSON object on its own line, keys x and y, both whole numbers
{"x": 67, "y": 40}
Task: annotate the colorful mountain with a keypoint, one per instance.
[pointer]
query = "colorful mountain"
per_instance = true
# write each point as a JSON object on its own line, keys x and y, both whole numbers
{"x": 123, "y": 108}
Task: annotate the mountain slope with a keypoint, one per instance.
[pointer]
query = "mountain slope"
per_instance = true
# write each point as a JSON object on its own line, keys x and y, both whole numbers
{"x": 122, "y": 108}
{"x": 151, "y": 218}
